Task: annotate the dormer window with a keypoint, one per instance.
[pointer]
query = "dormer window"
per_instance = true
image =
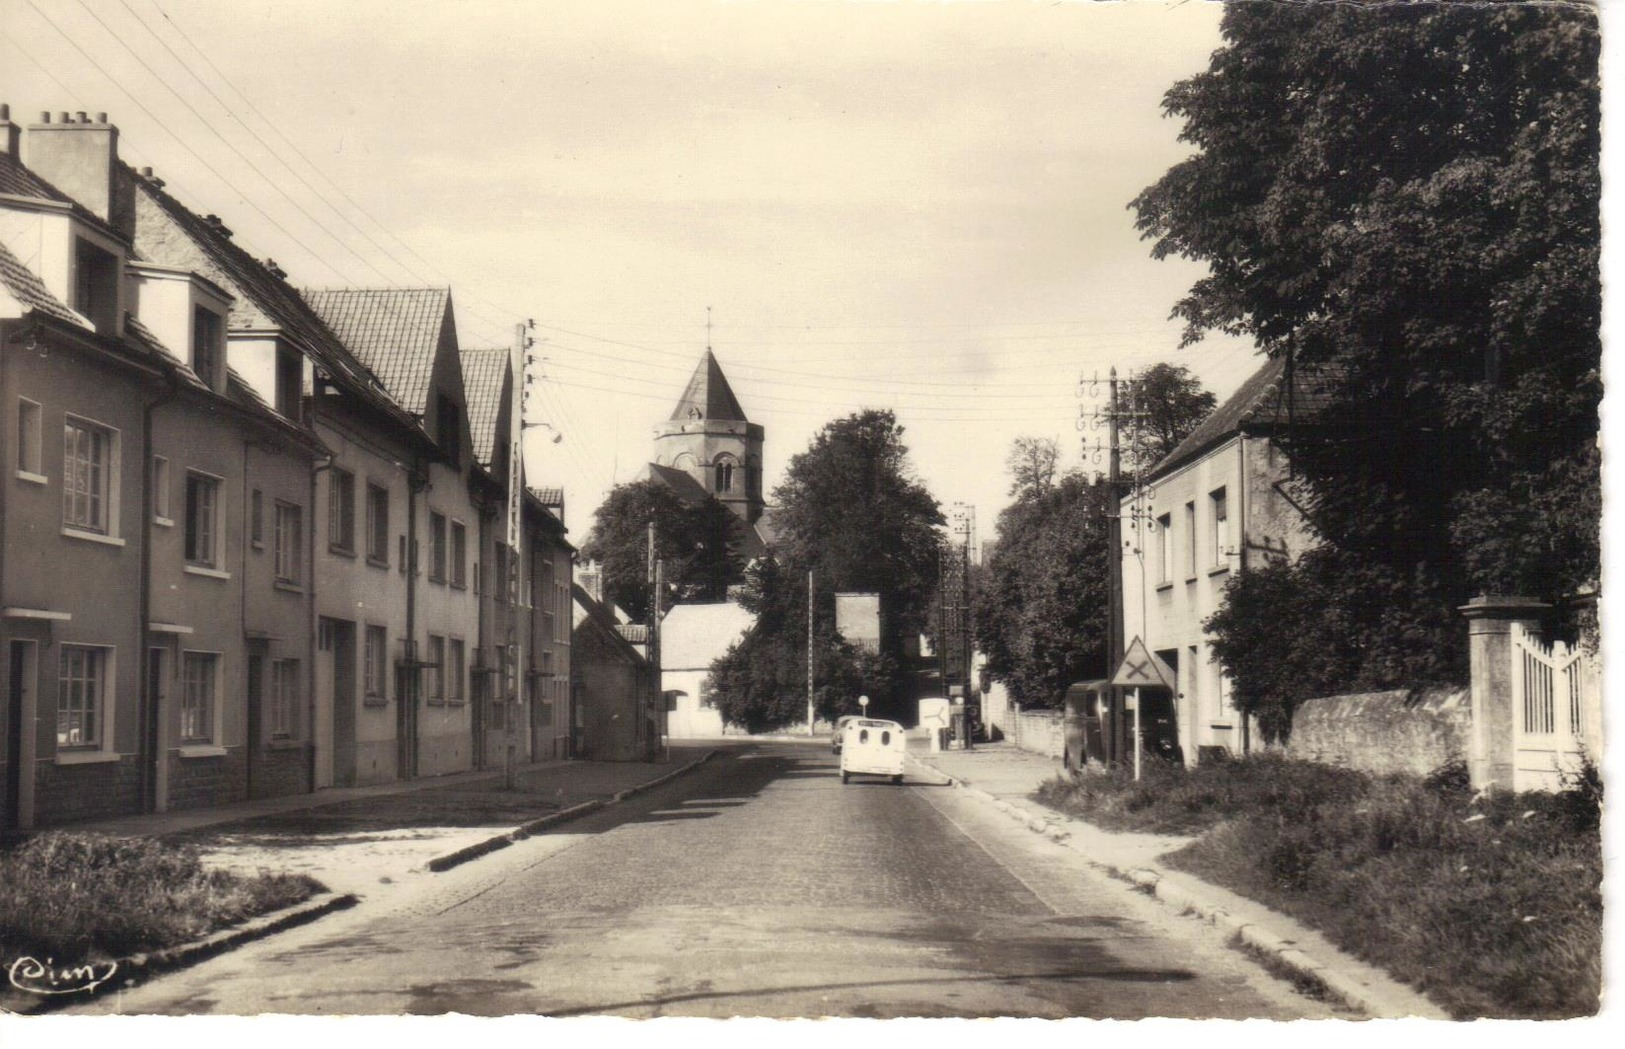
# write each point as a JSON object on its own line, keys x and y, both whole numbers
{"x": 95, "y": 285}
{"x": 289, "y": 382}
{"x": 206, "y": 346}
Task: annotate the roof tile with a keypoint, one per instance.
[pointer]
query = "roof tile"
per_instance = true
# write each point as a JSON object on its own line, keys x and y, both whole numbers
{"x": 393, "y": 331}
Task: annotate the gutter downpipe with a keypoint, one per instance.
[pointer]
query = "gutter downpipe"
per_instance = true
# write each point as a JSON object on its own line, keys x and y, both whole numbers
{"x": 417, "y": 480}
{"x": 319, "y": 465}
{"x": 154, "y": 778}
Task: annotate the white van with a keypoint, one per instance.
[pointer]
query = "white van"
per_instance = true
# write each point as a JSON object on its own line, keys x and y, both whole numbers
{"x": 872, "y": 747}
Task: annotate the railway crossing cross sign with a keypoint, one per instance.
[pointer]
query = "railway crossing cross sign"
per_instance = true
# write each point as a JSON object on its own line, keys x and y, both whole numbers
{"x": 1141, "y": 668}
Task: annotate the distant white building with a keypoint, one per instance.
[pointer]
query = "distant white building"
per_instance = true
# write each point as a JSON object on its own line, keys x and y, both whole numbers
{"x": 692, "y": 636}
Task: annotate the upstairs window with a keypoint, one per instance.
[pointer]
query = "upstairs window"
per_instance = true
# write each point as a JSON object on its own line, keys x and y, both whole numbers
{"x": 341, "y": 511}
{"x": 28, "y": 439}
{"x": 725, "y": 475}
{"x": 207, "y": 346}
{"x": 289, "y": 383}
{"x": 95, "y": 285}
{"x": 87, "y": 468}
{"x": 289, "y": 543}
{"x": 459, "y": 554}
{"x": 377, "y": 524}
{"x": 1165, "y": 548}
{"x": 202, "y": 520}
{"x": 1221, "y": 526}
{"x": 437, "y": 547}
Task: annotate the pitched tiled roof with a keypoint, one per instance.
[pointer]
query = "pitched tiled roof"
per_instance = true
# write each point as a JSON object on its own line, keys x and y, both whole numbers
{"x": 708, "y": 394}
{"x": 30, "y": 291}
{"x": 394, "y": 331}
{"x": 262, "y": 295}
{"x": 18, "y": 180}
{"x": 484, "y": 380}
{"x": 1260, "y": 402}
{"x": 600, "y": 615}
{"x": 549, "y": 496}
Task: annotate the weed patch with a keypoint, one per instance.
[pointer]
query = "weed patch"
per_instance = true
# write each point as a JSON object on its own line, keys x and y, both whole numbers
{"x": 87, "y": 897}
{"x": 1491, "y": 904}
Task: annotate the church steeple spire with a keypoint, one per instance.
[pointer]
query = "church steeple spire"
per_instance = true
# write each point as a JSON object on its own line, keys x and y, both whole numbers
{"x": 708, "y": 396}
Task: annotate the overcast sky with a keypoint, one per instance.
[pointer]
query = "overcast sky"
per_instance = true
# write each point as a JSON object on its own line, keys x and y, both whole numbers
{"x": 913, "y": 206}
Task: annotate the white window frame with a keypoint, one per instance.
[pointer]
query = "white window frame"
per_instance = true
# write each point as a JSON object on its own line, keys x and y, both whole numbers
{"x": 284, "y": 707}
{"x": 30, "y": 441}
{"x": 458, "y": 553}
{"x": 439, "y": 546}
{"x": 216, "y": 534}
{"x": 160, "y": 492}
{"x": 1165, "y": 548}
{"x": 100, "y": 746}
{"x": 290, "y": 543}
{"x": 456, "y": 676}
{"x": 375, "y": 658}
{"x": 1219, "y": 508}
{"x": 211, "y": 737}
{"x": 341, "y": 511}
{"x": 434, "y": 685}
{"x": 107, "y": 531}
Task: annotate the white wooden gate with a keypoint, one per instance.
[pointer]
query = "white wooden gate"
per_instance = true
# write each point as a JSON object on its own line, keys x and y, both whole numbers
{"x": 1556, "y": 711}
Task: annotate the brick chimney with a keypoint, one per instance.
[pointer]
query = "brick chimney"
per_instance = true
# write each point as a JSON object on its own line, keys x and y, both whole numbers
{"x": 79, "y": 156}
{"x": 10, "y": 134}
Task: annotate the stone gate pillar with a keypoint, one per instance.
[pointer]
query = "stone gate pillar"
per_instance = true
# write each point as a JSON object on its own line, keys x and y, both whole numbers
{"x": 1489, "y": 641}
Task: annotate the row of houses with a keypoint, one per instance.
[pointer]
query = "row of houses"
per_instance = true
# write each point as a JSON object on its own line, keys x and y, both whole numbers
{"x": 255, "y": 539}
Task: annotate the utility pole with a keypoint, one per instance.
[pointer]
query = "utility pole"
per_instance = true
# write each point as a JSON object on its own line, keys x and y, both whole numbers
{"x": 652, "y": 647}
{"x": 1114, "y": 542}
{"x": 809, "y": 652}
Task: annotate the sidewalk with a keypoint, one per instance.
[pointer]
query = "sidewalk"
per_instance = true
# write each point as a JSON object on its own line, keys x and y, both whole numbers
{"x": 1006, "y": 777}
{"x": 360, "y": 840}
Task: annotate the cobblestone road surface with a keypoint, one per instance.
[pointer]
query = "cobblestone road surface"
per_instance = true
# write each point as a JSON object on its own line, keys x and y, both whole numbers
{"x": 756, "y": 886}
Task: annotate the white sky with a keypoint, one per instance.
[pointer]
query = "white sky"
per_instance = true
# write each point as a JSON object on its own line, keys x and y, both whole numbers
{"x": 904, "y": 205}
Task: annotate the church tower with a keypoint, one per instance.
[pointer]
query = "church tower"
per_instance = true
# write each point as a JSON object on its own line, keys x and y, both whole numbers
{"x": 709, "y": 438}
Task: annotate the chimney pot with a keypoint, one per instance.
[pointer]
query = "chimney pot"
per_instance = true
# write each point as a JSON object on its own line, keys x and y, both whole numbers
{"x": 81, "y": 117}
{"x": 5, "y": 111}
{"x": 64, "y": 117}
{"x": 146, "y": 172}
{"x": 101, "y": 118}
{"x": 45, "y": 117}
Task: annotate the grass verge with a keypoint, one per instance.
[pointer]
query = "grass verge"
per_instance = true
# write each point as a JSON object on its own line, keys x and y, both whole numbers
{"x": 86, "y": 897}
{"x": 1491, "y": 904}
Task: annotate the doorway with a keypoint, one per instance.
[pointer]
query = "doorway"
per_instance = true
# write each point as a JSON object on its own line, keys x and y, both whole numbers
{"x": 21, "y": 672}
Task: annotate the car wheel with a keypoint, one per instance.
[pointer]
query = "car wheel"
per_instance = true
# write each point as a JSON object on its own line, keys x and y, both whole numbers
{"x": 844, "y": 778}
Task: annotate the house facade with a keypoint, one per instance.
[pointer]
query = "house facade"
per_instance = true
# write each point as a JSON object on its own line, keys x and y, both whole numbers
{"x": 692, "y": 637}
{"x": 249, "y": 543}
{"x": 1221, "y": 502}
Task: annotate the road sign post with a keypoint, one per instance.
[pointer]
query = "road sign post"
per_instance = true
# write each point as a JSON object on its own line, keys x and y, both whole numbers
{"x": 1141, "y": 668}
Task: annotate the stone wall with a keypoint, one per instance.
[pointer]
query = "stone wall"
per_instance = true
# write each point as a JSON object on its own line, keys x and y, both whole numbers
{"x": 204, "y": 782}
{"x": 1038, "y": 731}
{"x": 68, "y": 793}
{"x": 1384, "y": 731}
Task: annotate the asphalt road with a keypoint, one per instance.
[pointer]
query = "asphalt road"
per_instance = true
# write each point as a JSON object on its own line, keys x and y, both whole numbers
{"x": 756, "y": 886}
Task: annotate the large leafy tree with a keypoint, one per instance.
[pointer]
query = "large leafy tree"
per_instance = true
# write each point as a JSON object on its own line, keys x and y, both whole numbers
{"x": 1402, "y": 201}
{"x": 760, "y": 683}
{"x": 1170, "y": 402}
{"x": 851, "y": 512}
{"x": 695, "y": 543}
{"x": 1041, "y": 603}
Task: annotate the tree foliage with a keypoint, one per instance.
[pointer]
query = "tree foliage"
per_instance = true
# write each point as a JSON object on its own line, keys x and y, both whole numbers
{"x": 1403, "y": 201}
{"x": 1171, "y": 403}
{"x": 696, "y": 544}
{"x": 851, "y": 512}
{"x": 1041, "y": 603}
{"x": 760, "y": 683}
{"x": 1032, "y": 462}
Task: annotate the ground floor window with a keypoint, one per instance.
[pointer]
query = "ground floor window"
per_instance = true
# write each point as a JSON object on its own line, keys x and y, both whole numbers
{"x": 199, "y": 671}
{"x": 81, "y": 696}
{"x": 284, "y": 697}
